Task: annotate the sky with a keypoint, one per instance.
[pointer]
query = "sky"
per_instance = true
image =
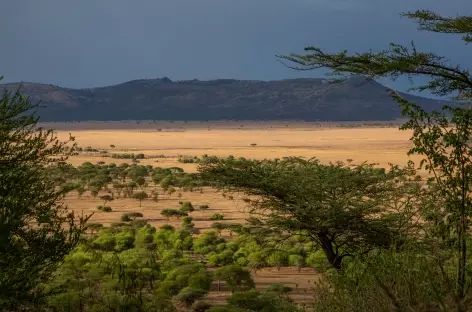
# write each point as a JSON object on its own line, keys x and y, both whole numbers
{"x": 92, "y": 43}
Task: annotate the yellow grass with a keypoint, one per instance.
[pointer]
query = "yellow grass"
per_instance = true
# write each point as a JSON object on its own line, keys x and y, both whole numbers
{"x": 380, "y": 145}
{"x": 274, "y": 140}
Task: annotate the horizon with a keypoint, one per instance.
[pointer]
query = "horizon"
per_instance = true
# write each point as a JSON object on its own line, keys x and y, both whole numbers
{"x": 121, "y": 42}
{"x": 423, "y": 95}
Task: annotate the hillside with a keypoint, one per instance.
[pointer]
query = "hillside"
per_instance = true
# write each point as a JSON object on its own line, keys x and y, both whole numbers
{"x": 163, "y": 99}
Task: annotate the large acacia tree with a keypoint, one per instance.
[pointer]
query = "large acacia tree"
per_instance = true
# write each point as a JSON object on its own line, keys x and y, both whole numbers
{"x": 346, "y": 209}
{"x": 36, "y": 230}
{"x": 442, "y": 137}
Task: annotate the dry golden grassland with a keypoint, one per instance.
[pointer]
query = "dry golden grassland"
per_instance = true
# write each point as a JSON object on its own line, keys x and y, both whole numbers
{"x": 376, "y": 144}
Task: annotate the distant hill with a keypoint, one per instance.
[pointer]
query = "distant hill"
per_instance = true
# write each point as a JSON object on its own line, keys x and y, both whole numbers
{"x": 163, "y": 99}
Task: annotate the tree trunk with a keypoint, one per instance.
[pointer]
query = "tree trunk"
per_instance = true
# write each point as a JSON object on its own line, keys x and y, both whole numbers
{"x": 327, "y": 246}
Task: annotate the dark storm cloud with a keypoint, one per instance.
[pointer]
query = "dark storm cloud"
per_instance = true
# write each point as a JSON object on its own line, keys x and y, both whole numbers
{"x": 91, "y": 43}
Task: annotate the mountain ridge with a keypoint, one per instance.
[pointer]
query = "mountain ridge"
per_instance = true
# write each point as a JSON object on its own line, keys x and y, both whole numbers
{"x": 309, "y": 99}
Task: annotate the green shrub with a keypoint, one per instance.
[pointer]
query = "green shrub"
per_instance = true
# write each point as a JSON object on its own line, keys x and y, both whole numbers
{"x": 105, "y": 208}
{"x": 167, "y": 227}
{"x": 189, "y": 295}
{"x": 200, "y": 306}
{"x": 187, "y": 207}
{"x": 169, "y": 288}
{"x": 217, "y": 216}
{"x": 125, "y": 218}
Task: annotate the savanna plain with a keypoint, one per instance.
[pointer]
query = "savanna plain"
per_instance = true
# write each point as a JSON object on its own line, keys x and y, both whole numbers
{"x": 164, "y": 143}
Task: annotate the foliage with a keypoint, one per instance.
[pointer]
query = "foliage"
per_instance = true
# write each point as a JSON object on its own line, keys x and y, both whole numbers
{"x": 267, "y": 301}
{"x": 344, "y": 208}
{"x": 236, "y": 277}
{"x": 200, "y": 306}
{"x": 217, "y": 216}
{"x": 189, "y": 295}
{"x": 389, "y": 281}
{"x": 441, "y": 137}
{"x": 173, "y": 213}
{"x": 36, "y": 230}
{"x": 141, "y": 195}
{"x": 105, "y": 208}
{"x": 187, "y": 207}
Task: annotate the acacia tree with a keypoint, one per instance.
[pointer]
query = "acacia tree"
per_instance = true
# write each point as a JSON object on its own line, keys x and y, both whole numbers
{"x": 442, "y": 137}
{"x": 36, "y": 230}
{"x": 344, "y": 208}
{"x": 141, "y": 195}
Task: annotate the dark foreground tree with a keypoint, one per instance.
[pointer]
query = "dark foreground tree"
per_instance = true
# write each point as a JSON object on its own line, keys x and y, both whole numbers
{"x": 36, "y": 231}
{"x": 346, "y": 209}
{"x": 443, "y": 138}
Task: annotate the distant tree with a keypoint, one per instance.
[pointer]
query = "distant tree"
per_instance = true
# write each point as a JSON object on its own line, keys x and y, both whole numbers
{"x": 256, "y": 261}
{"x": 218, "y": 227}
{"x": 94, "y": 193}
{"x": 36, "y": 230}
{"x": 277, "y": 259}
{"x": 189, "y": 295}
{"x": 105, "y": 208}
{"x": 253, "y": 300}
{"x": 253, "y": 144}
{"x": 187, "y": 207}
{"x": 236, "y": 277}
{"x": 140, "y": 196}
{"x": 80, "y": 191}
{"x": 92, "y": 227}
{"x": 106, "y": 198}
{"x": 200, "y": 306}
{"x": 131, "y": 216}
{"x": 297, "y": 261}
{"x": 125, "y": 217}
{"x": 173, "y": 213}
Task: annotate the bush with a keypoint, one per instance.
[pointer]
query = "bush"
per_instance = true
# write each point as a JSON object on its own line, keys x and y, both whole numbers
{"x": 125, "y": 218}
{"x": 187, "y": 220}
{"x": 200, "y": 306}
{"x": 187, "y": 207}
{"x": 105, "y": 208}
{"x": 201, "y": 280}
{"x": 217, "y": 216}
{"x": 168, "y": 288}
{"x": 236, "y": 277}
{"x": 167, "y": 227}
{"x": 203, "y": 207}
{"x": 134, "y": 215}
{"x": 279, "y": 289}
{"x": 137, "y": 224}
{"x": 391, "y": 281}
{"x": 173, "y": 213}
{"x": 189, "y": 295}
{"x": 94, "y": 226}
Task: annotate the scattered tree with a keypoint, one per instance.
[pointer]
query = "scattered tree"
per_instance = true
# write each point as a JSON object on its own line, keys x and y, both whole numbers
{"x": 141, "y": 195}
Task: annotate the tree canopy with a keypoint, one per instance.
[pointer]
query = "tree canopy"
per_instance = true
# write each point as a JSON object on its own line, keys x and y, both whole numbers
{"x": 36, "y": 230}
{"x": 344, "y": 208}
{"x": 441, "y": 137}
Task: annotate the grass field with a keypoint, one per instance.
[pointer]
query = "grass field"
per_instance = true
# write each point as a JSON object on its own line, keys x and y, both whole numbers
{"x": 382, "y": 145}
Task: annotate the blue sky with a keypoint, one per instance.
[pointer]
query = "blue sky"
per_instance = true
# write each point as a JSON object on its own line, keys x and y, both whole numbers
{"x": 90, "y": 43}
